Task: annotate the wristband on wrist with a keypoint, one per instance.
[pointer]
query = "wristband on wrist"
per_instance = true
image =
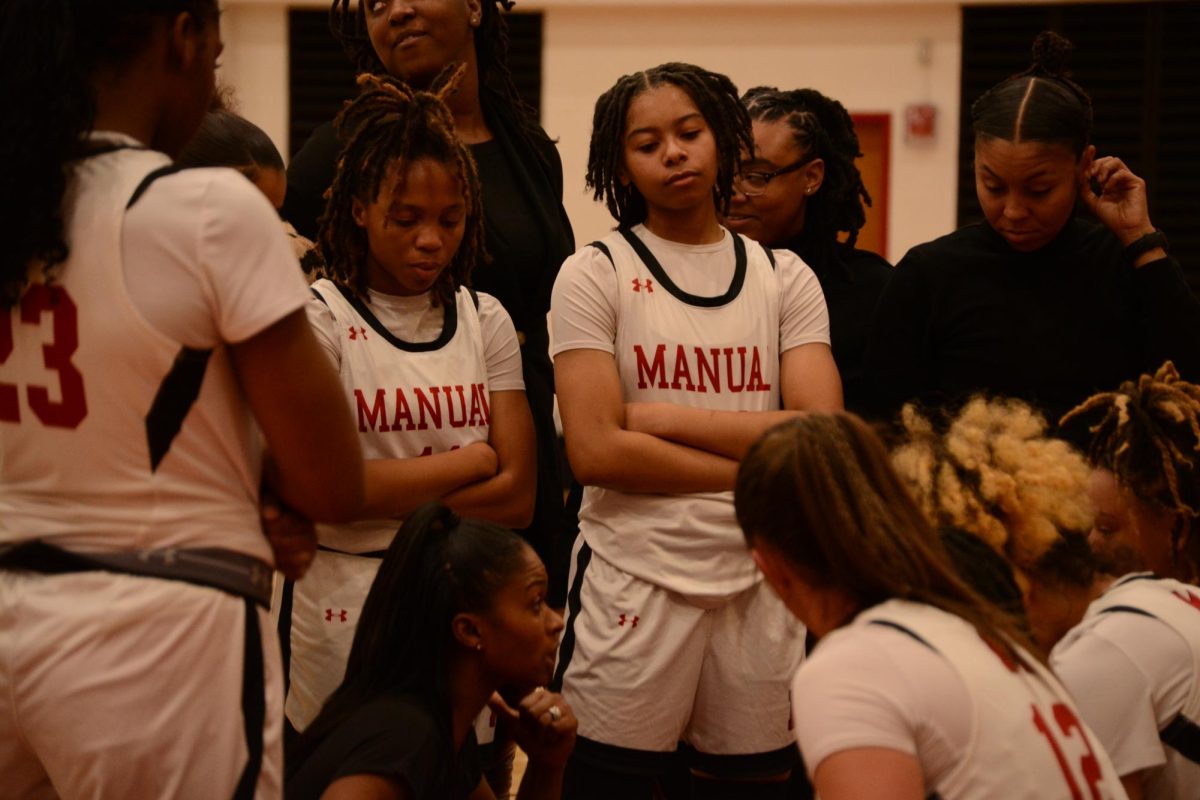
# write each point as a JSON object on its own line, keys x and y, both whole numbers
{"x": 1145, "y": 244}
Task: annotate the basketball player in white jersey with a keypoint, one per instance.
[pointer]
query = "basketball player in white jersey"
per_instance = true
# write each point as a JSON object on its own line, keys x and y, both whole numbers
{"x": 148, "y": 320}
{"x": 676, "y": 344}
{"x": 917, "y": 686}
{"x": 432, "y": 370}
{"x": 1134, "y": 660}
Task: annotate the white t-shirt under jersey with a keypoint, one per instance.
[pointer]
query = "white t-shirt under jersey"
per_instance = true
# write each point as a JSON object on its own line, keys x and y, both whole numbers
{"x": 199, "y": 261}
{"x": 712, "y": 341}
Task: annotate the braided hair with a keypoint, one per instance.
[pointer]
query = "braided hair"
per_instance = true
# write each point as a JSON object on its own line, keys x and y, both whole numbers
{"x": 717, "y": 100}
{"x": 821, "y": 128}
{"x": 49, "y": 106}
{"x": 1147, "y": 434}
{"x": 498, "y": 94}
{"x": 387, "y": 127}
{"x": 1040, "y": 104}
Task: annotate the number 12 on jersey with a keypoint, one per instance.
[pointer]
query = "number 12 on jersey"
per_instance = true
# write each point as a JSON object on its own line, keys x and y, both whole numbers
{"x": 71, "y": 409}
{"x": 1089, "y": 767}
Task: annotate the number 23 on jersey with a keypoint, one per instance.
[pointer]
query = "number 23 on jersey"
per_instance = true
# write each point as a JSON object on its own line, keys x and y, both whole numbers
{"x": 51, "y": 308}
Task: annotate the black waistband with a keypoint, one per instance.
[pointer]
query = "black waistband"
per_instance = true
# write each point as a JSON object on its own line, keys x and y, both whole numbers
{"x": 235, "y": 573}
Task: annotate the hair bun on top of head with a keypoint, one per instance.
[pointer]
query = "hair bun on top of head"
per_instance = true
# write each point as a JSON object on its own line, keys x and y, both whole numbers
{"x": 1051, "y": 53}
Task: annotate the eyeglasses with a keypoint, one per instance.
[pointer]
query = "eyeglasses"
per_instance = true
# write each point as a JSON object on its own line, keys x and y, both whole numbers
{"x": 753, "y": 184}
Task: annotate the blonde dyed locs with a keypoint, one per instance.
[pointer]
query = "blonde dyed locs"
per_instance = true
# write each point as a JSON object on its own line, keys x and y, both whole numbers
{"x": 995, "y": 473}
{"x": 1147, "y": 434}
{"x": 384, "y": 130}
{"x": 822, "y": 491}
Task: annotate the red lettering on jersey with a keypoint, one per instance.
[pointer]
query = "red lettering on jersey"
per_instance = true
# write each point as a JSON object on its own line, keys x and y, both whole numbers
{"x": 1189, "y": 598}
{"x": 403, "y": 412}
{"x": 705, "y": 368}
{"x": 1069, "y": 724}
{"x": 741, "y": 351}
{"x": 756, "y": 382}
{"x": 682, "y": 370}
{"x": 373, "y": 418}
{"x": 434, "y": 407}
{"x": 481, "y": 413}
{"x": 647, "y": 370}
{"x": 462, "y": 405}
{"x": 69, "y": 411}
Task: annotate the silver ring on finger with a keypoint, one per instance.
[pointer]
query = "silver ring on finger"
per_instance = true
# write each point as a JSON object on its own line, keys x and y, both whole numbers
{"x": 555, "y": 713}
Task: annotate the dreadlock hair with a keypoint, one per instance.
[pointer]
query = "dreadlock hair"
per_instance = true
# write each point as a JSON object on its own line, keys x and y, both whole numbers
{"x": 717, "y": 100}
{"x": 49, "y": 106}
{"x": 498, "y": 93}
{"x": 1039, "y": 104}
{"x": 822, "y": 491}
{"x": 436, "y": 567}
{"x": 821, "y": 128}
{"x": 385, "y": 129}
{"x": 995, "y": 473}
{"x": 1147, "y": 434}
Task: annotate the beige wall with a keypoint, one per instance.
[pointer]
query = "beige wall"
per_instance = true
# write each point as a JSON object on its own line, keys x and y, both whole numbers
{"x": 865, "y": 54}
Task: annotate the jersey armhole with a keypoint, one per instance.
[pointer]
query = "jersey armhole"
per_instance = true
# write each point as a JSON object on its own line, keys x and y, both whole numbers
{"x": 150, "y": 178}
{"x": 474, "y": 297}
{"x": 319, "y": 296}
{"x": 603, "y": 248}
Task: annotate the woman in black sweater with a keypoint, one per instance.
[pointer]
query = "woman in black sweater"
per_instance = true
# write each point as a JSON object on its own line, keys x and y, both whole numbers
{"x": 798, "y": 191}
{"x": 1044, "y": 302}
{"x": 526, "y": 228}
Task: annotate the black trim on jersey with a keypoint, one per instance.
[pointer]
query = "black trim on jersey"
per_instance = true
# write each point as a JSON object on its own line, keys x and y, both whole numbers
{"x": 1183, "y": 736}
{"x": 474, "y": 296}
{"x": 175, "y": 397}
{"x": 254, "y": 705}
{"x": 656, "y": 269}
{"x": 887, "y": 623}
{"x": 449, "y": 325}
{"x": 93, "y": 150}
{"x": 319, "y": 296}
{"x": 284, "y": 628}
{"x": 746, "y": 766}
{"x": 770, "y": 256}
{"x": 603, "y": 248}
{"x": 1128, "y": 610}
{"x": 567, "y": 648}
{"x": 377, "y": 554}
{"x": 149, "y": 179}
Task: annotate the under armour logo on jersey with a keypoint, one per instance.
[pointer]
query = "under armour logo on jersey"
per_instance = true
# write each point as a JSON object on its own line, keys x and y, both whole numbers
{"x": 356, "y": 332}
{"x": 1189, "y": 598}
{"x": 633, "y": 621}
{"x": 647, "y": 284}
{"x": 329, "y": 615}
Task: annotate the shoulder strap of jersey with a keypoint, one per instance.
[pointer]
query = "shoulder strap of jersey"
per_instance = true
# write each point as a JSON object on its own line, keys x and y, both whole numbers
{"x": 603, "y": 248}
{"x": 474, "y": 296}
{"x": 318, "y": 295}
{"x": 149, "y": 179}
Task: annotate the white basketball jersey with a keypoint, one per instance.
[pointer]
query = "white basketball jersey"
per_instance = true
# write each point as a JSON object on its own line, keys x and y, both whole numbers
{"x": 408, "y": 399}
{"x": 113, "y": 436}
{"x": 719, "y": 353}
{"x": 1177, "y": 605}
{"x": 1027, "y": 740}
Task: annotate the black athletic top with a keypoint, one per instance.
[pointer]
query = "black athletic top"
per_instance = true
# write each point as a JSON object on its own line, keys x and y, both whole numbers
{"x": 966, "y": 313}
{"x": 393, "y": 736}
{"x": 853, "y": 281}
{"x": 528, "y": 236}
